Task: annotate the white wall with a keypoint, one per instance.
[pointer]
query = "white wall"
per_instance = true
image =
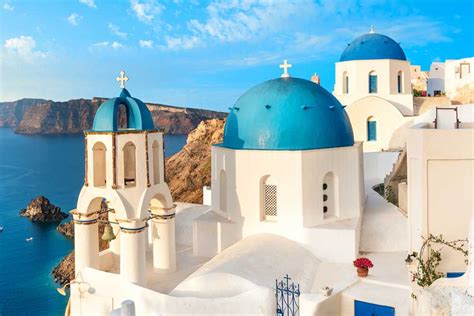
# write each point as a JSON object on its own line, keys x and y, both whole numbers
{"x": 457, "y": 74}
{"x": 436, "y": 79}
{"x": 389, "y": 119}
{"x": 440, "y": 186}
{"x": 299, "y": 177}
{"x": 387, "y": 72}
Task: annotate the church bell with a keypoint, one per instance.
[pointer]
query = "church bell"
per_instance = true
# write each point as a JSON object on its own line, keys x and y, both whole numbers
{"x": 108, "y": 234}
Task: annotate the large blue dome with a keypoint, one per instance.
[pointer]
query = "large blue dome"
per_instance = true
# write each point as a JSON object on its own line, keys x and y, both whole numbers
{"x": 138, "y": 115}
{"x": 373, "y": 46}
{"x": 287, "y": 114}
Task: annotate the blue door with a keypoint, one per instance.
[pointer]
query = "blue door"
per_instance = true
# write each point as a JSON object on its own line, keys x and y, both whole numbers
{"x": 371, "y": 130}
{"x": 369, "y": 309}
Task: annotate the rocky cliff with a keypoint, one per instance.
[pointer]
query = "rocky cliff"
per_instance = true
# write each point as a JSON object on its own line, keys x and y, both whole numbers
{"x": 41, "y": 210}
{"x": 37, "y": 116}
{"x": 186, "y": 172}
{"x": 190, "y": 169}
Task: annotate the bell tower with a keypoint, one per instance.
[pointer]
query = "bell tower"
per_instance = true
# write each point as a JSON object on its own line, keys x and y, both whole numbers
{"x": 124, "y": 168}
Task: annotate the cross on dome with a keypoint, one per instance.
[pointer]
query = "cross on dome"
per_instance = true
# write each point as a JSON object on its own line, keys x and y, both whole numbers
{"x": 372, "y": 29}
{"x": 122, "y": 79}
{"x": 285, "y": 67}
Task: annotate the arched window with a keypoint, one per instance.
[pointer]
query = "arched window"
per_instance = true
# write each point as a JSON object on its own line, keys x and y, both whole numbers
{"x": 372, "y": 82}
{"x": 129, "y": 164}
{"x": 156, "y": 162}
{"x": 122, "y": 116}
{"x": 371, "y": 129}
{"x": 330, "y": 196}
{"x": 99, "y": 167}
{"x": 269, "y": 197}
{"x": 400, "y": 82}
{"x": 345, "y": 83}
{"x": 223, "y": 191}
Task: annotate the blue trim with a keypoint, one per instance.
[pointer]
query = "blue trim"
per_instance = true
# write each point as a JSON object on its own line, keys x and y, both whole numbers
{"x": 132, "y": 229}
{"x": 369, "y": 309}
{"x": 454, "y": 274}
{"x": 85, "y": 221}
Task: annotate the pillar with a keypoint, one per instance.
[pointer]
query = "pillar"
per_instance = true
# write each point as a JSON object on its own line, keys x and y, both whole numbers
{"x": 164, "y": 244}
{"x": 132, "y": 252}
{"x": 86, "y": 241}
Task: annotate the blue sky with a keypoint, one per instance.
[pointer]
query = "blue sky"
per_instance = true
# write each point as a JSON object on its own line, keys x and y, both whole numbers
{"x": 206, "y": 54}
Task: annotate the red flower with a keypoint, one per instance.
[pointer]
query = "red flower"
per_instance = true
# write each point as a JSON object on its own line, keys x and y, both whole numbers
{"x": 363, "y": 263}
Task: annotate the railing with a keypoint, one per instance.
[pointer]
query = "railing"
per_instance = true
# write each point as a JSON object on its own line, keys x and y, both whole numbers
{"x": 287, "y": 297}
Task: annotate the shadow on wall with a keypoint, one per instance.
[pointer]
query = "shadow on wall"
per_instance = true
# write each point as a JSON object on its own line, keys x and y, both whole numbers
{"x": 398, "y": 141}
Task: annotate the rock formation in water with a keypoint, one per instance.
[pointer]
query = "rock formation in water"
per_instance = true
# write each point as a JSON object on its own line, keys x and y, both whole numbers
{"x": 186, "y": 172}
{"x": 37, "y": 116}
{"x": 190, "y": 169}
{"x": 41, "y": 210}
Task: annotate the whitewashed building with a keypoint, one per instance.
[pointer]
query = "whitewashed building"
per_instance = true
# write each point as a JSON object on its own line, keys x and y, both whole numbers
{"x": 373, "y": 81}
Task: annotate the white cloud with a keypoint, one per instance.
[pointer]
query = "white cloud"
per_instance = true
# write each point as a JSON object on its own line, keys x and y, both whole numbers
{"x": 116, "y": 31}
{"x": 8, "y": 7}
{"x": 23, "y": 47}
{"x": 89, "y": 3}
{"x": 146, "y": 43}
{"x": 105, "y": 45}
{"x": 146, "y": 11}
{"x": 74, "y": 19}
{"x": 184, "y": 42}
{"x": 116, "y": 45}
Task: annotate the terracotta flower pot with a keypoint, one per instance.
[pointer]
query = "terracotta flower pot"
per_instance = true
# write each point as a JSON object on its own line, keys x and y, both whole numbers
{"x": 362, "y": 272}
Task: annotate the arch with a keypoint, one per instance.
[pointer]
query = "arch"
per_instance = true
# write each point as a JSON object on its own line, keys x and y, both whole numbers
{"x": 99, "y": 166}
{"x": 129, "y": 165}
{"x": 156, "y": 162}
{"x": 268, "y": 199}
{"x": 330, "y": 196}
{"x": 158, "y": 202}
{"x": 160, "y": 195}
{"x": 223, "y": 191}
{"x": 372, "y": 82}
{"x": 400, "y": 82}
{"x": 345, "y": 83}
{"x": 371, "y": 129}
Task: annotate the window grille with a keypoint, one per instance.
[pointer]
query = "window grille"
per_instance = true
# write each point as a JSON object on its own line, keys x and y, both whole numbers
{"x": 270, "y": 202}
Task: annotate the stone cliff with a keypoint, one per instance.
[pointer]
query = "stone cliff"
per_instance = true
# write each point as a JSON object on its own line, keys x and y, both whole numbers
{"x": 186, "y": 172}
{"x": 190, "y": 169}
{"x": 37, "y": 116}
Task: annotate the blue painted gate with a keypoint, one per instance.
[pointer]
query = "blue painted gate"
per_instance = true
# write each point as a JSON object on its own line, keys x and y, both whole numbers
{"x": 369, "y": 309}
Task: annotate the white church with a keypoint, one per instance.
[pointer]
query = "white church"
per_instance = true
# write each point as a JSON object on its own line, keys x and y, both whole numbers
{"x": 291, "y": 197}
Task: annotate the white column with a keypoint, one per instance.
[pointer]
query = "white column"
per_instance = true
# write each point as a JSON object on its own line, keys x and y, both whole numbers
{"x": 86, "y": 241}
{"x": 164, "y": 244}
{"x": 132, "y": 252}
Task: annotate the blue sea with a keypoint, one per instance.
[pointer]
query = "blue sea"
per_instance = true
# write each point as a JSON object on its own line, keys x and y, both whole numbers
{"x": 52, "y": 166}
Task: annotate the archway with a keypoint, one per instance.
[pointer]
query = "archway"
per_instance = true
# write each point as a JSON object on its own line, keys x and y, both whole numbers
{"x": 268, "y": 198}
{"x": 129, "y": 165}
{"x": 372, "y": 82}
{"x": 345, "y": 83}
{"x": 99, "y": 164}
{"x": 371, "y": 129}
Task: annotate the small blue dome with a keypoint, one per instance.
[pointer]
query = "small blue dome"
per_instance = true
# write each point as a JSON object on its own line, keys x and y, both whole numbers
{"x": 373, "y": 46}
{"x": 287, "y": 114}
{"x": 138, "y": 115}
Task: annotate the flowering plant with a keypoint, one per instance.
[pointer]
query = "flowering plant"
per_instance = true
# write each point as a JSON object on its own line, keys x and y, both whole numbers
{"x": 363, "y": 263}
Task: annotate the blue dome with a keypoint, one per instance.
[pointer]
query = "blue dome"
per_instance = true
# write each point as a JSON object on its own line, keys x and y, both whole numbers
{"x": 138, "y": 115}
{"x": 287, "y": 114}
{"x": 373, "y": 46}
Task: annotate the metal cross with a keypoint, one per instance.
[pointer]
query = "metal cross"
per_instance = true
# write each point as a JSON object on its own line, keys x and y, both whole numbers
{"x": 285, "y": 67}
{"x": 122, "y": 79}
{"x": 372, "y": 29}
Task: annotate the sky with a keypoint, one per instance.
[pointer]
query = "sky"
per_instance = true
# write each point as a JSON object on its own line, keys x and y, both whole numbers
{"x": 206, "y": 54}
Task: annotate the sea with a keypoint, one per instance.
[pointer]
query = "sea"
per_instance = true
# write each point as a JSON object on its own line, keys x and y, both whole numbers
{"x": 32, "y": 165}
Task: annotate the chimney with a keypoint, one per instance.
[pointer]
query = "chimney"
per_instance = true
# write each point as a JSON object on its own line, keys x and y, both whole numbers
{"x": 315, "y": 78}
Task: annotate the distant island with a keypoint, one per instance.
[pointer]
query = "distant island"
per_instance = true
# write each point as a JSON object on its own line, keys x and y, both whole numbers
{"x": 38, "y": 116}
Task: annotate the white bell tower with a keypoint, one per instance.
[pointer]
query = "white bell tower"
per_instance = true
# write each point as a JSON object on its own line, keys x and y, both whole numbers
{"x": 124, "y": 166}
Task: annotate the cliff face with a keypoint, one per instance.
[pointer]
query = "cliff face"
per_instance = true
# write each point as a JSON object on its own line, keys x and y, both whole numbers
{"x": 41, "y": 210}
{"x": 190, "y": 169}
{"x": 36, "y": 116}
